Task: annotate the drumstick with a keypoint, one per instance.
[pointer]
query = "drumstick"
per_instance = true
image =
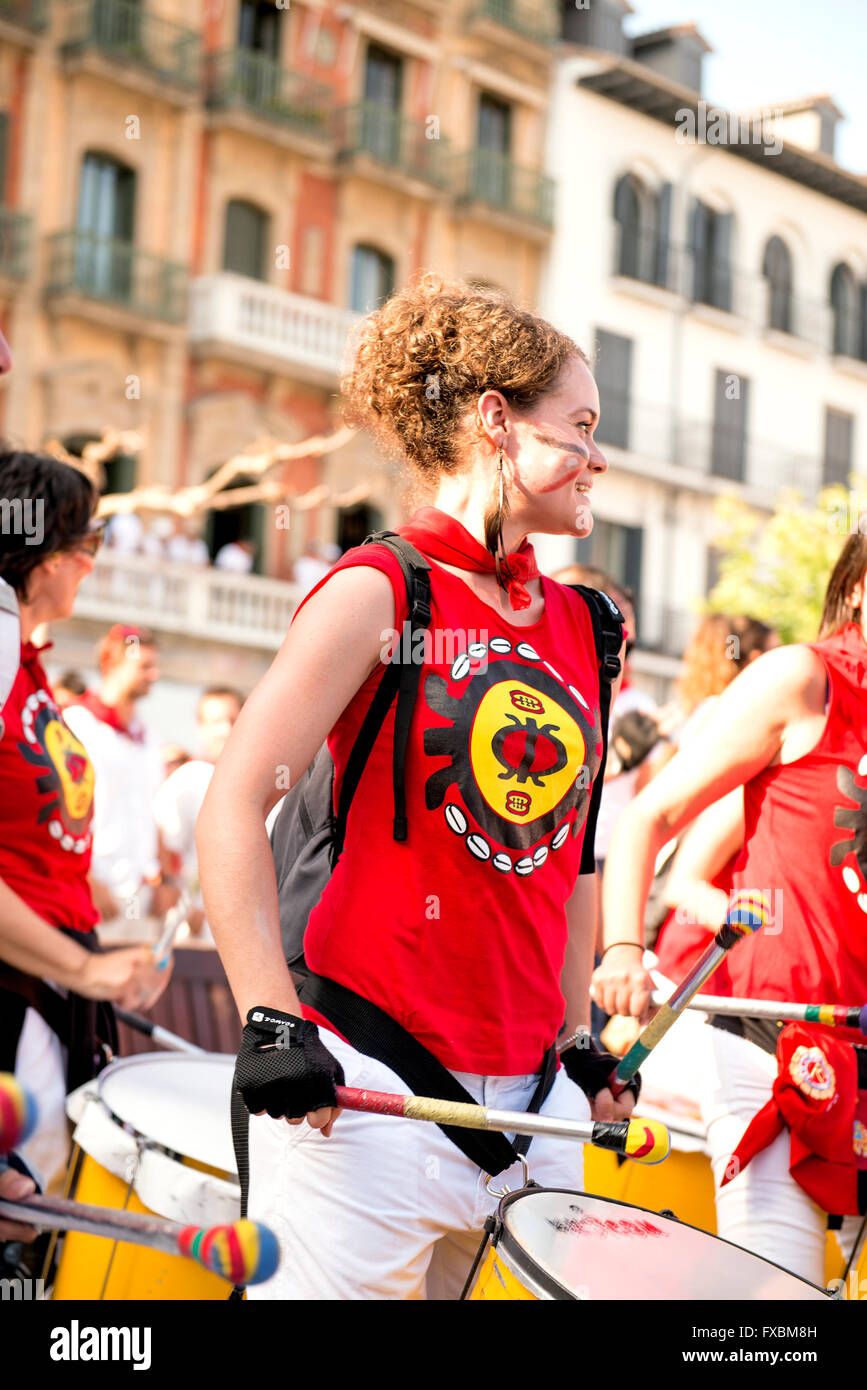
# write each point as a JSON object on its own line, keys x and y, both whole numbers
{"x": 162, "y": 1036}
{"x": 831, "y": 1015}
{"x": 746, "y": 915}
{"x": 175, "y": 919}
{"x": 18, "y": 1113}
{"x": 647, "y": 1141}
{"x": 245, "y": 1252}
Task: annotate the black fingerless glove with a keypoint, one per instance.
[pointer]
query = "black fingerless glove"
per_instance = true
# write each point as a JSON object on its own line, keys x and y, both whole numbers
{"x": 283, "y": 1067}
{"x": 590, "y": 1068}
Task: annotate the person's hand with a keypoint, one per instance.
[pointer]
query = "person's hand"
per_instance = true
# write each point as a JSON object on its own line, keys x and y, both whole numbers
{"x": 619, "y": 1034}
{"x": 591, "y": 1069}
{"x": 620, "y": 984}
{"x": 284, "y": 1069}
{"x": 14, "y": 1186}
{"x": 127, "y": 977}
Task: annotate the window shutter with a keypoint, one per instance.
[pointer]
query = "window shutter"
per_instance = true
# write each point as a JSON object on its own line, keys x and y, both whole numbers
{"x": 728, "y": 454}
{"x": 614, "y": 380}
{"x": 698, "y": 245}
{"x": 662, "y": 234}
{"x": 4, "y": 146}
{"x": 837, "y": 462}
{"x": 721, "y": 267}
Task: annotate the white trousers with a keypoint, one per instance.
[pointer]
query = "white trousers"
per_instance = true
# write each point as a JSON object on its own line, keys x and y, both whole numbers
{"x": 388, "y": 1208}
{"x": 763, "y": 1208}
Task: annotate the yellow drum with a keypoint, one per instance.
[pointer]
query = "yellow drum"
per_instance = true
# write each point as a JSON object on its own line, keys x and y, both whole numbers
{"x": 554, "y": 1244}
{"x": 153, "y": 1135}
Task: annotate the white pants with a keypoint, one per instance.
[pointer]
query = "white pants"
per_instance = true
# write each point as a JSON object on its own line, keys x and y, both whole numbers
{"x": 389, "y": 1208}
{"x": 763, "y": 1208}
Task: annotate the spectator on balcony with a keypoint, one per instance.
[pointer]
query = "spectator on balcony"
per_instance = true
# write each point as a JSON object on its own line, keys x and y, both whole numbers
{"x": 310, "y": 567}
{"x": 179, "y": 799}
{"x": 127, "y": 870}
{"x": 236, "y": 557}
{"x": 156, "y": 537}
{"x": 184, "y": 548}
{"x": 124, "y": 533}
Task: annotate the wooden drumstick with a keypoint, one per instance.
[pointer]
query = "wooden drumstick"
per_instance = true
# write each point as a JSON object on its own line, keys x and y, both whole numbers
{"x": 647, "y": 1141}
{"x": 244, "y": 1252}
{"x": 746, "y": 915}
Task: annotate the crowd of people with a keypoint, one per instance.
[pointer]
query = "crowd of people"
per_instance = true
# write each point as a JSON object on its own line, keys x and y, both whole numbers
{"x": 547, "y": 896}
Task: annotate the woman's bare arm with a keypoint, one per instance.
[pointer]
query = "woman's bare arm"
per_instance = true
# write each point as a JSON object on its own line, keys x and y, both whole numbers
{"x": 750, "y": 724}
{"x": 330, "y": 650}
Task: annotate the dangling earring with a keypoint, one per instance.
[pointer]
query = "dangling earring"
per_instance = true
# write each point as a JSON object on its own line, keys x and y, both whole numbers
{"x": 500, "y": 500}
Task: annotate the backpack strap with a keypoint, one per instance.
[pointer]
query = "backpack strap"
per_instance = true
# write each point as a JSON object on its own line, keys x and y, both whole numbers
{"x": 607, "y": 622}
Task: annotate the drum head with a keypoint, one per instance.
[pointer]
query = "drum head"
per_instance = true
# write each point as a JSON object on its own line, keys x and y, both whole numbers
{"x": 575, "y": 1246}
{"x": 176, "y": 1100}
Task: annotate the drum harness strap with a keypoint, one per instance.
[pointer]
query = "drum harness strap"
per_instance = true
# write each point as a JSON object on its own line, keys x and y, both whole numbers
{"x": 371, "y": 1031}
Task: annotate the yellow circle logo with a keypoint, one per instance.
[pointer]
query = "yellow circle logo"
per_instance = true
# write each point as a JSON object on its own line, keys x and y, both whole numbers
{"x": 525, "y": 751}
{"x": 72, "y": 766}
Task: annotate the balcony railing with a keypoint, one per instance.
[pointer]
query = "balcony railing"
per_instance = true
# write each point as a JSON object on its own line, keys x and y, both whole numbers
{"x": 15, "y": 241}
{"x": 31, "y": 14}
{"x": 533, "y": 19}
{"x": 253, "y": 82}
{"x": 655, "y": 433}
{"x": 301, "y": 332}
{"x": 209, "y": 604}
{"x": 642, "y": 255}
{"x": 117, "y": 272}
{"x": 383, "y": 134}
{"x": 124, "y": 30}
{"x": 490, "y": 177}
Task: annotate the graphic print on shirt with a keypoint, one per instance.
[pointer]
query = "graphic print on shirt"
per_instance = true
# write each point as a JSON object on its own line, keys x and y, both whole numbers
{"x": 854, "y": 819}
{"x": 63, "y": 771}
{"x": 523, "y": 748}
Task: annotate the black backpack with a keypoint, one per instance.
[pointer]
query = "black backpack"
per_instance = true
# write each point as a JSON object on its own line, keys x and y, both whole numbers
{"x": 307, "y": 836}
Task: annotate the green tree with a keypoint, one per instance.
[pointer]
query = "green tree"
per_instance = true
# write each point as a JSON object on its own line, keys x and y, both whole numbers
{"x": 777, "y": 568}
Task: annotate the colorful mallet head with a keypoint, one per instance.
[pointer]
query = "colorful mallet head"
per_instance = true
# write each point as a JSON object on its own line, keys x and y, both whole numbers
{"x": 647, "y": 1141}
{"x": 244, "y": 1253}
{"x": 17, "y": 1113}
{"x": 749, "y": 912}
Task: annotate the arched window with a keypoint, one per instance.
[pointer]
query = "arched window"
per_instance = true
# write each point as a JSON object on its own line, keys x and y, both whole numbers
{"x": 846, "y": 310}
{"x": 777, "y": 268}
{"x": 642, "y": 220}
{"x": 245, "y": 249}
{"x": 372, "y": 278}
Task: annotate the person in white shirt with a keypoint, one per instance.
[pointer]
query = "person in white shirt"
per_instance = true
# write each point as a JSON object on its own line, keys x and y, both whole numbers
{"x": 179, "y": 799}
{"x": 10, "y": 641}
{"x": 236, "y": 556}
{"x": 126, "y": 863}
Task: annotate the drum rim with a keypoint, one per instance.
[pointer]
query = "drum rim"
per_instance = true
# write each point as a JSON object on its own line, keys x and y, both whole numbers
{"x": 510, "y": 1244}
{"x": 129, "y": 1127}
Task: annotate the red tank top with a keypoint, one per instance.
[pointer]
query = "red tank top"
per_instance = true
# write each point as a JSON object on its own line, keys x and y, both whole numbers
{"x": 460, "y": 933}
{"x": 46, "y": 803}
{"x": 806, "y": 844}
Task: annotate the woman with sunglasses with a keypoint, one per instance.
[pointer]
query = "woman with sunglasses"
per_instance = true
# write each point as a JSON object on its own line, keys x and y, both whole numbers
{"x": 48, "y": 541}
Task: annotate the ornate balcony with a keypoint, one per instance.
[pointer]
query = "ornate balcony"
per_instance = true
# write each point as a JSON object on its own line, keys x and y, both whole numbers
{"x": 30, "y": 14}
{"x": 254, "y": 322}
{"x": 489, "y": 178}
{"x": 117, "y": 273}
{"x": 378, "y": 133}
{"x": 240, "y": 79}
{"x": 16, "y": 232}
{"x": 528, "y": 19}
{"x": 123, "y": 31}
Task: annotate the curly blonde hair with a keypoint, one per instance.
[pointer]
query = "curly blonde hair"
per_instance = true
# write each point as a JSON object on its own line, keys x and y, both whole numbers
{"x": 426, "y": 356}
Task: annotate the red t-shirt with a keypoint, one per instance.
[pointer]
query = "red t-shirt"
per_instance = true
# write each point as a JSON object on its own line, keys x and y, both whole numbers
{"x": 806, "y": 845}
{"x": 460, "y": 933}
{"x": 46, "y": 803}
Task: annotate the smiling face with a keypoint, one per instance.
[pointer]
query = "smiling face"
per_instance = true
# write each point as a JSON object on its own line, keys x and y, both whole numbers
{"x": 554, "y": 459}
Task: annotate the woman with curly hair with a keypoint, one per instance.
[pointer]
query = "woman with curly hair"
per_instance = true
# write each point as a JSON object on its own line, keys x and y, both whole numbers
{"x": 474, "y": 937}
{"x": 788, "y": 735}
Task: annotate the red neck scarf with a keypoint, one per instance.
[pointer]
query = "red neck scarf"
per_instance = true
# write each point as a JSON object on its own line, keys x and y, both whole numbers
{"x": 442, "y": 538}
{"x": 109, "y": 715}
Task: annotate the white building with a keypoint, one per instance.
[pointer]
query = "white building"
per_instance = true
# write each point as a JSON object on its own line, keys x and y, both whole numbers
{"x": 723, "y": 289}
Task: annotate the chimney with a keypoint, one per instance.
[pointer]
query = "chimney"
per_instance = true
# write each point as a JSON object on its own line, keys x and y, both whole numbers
{"x": 676, "y": 52}
{"x": 596, "y": 24}
{"x": 810, "y": 122}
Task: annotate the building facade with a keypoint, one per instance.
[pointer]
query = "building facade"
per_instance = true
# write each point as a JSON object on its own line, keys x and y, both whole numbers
{"x": 715, "y": 269}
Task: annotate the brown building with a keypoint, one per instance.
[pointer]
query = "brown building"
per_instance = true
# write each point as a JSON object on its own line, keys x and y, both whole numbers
{"x": 197, "y": 200}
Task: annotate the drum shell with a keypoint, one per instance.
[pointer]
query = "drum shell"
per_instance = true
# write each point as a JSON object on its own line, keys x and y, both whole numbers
{"x": 117, "y": 1167}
